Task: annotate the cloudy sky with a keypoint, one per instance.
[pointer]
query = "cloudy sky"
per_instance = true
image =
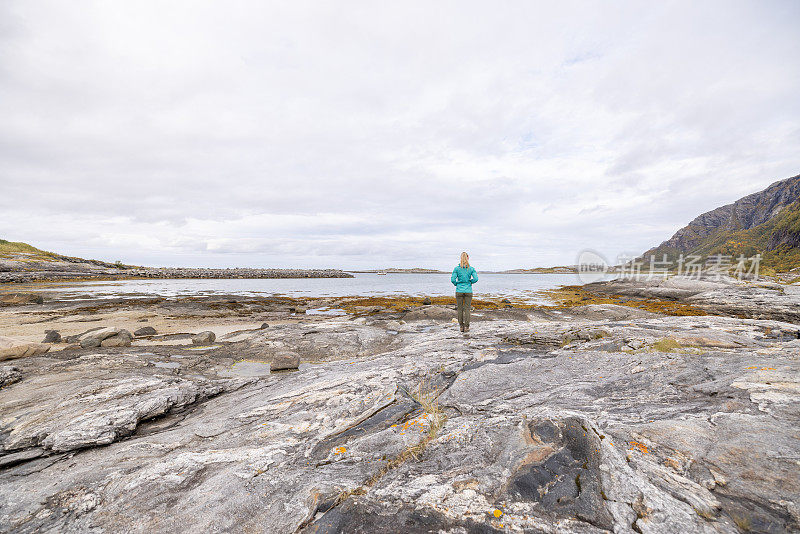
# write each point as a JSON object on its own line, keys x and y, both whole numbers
{"x": 373, "y": 134}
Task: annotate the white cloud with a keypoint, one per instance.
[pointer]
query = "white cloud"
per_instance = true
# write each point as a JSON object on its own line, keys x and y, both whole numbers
{"x": 369, "y": 135}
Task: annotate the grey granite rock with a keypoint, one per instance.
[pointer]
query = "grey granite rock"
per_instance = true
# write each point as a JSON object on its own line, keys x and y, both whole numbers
{"x": 95, "y": 337}
{"x": 725, "y": 296}
{"x": 435, "y": 313}
{"x": 204, "y": 337}
{"x": 284, "y": 360}
{"x": 145, "y": 331}
{"x": 122, "y": 338}
{"x": 526, "y": 426}
{"x": 51, "y": 336}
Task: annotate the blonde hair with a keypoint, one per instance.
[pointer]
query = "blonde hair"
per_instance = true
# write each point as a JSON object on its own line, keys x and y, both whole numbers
{"x": 464, "y": 263}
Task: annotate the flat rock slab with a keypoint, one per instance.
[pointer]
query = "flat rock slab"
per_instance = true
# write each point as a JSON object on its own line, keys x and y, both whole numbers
{"x": 247, "y": 368}
{"x": 436, "y": 313}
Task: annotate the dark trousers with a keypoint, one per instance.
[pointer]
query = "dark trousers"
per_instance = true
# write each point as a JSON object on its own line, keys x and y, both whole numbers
{"x": 463, "y": 303}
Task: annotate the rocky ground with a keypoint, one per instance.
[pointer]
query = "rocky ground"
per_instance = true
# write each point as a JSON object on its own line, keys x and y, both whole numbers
{"x": 597, "y": 414}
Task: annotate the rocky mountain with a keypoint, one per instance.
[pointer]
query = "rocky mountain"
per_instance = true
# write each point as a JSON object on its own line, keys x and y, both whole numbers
{"x": 767, "y": 222}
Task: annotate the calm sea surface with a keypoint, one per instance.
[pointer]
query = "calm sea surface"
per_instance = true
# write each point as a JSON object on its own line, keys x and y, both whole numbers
{"x": 525, "y": 286}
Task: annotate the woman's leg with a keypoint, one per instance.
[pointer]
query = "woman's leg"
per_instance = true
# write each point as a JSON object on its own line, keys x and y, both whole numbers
{"x": 460, "y": 308}
{"x": 467, "y": 304}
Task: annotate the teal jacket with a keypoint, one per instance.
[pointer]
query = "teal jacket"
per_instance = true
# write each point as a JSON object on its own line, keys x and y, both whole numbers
{"x": 464, "y": 278}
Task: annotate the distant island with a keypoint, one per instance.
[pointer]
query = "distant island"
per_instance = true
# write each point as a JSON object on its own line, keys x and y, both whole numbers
{"x": 21, "y": 262}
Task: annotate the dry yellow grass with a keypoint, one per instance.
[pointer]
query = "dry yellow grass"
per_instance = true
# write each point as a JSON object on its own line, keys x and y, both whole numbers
{"x": 571, "y": 296}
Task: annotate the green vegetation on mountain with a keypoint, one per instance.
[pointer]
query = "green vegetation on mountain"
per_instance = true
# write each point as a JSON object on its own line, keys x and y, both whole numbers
{"x": 777, "y": 240}
{"x": 15, "y": 247}
{"x": 766, "y": 223}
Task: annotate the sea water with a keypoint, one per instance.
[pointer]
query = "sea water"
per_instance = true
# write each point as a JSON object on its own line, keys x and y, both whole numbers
{"x": 518, "y": 286}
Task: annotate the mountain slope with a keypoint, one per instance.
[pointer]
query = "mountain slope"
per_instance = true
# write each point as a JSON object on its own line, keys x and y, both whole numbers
{"x": 8, "y": 248}
{"x": 767, "y": 222}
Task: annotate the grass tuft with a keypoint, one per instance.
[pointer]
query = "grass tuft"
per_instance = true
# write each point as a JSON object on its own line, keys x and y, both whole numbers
{"x": 666, "y": 345}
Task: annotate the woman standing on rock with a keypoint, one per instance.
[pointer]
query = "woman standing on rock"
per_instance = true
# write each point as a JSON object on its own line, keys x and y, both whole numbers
{"x": 463, "y": 277}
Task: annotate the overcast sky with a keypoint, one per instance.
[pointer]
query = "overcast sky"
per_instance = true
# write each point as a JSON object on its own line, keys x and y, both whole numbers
{"x": 374, "y": 134}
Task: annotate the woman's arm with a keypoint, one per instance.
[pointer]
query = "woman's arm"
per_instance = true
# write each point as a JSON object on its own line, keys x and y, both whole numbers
{"x": 454, "y": 278}
{"x": 473, "y": 276}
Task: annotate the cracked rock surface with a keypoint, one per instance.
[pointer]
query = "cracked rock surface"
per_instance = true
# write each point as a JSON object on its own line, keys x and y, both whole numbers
{"x": 592, "y": 420}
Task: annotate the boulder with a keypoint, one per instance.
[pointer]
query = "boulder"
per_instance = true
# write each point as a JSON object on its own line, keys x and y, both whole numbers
{"x": 13, "y": 348}
{"x": 204, "y": 337}
{"x": 145, "y": 331}
{"x": 51, "y": 336}
{"x": 94, "y": 337}
{"x": 122, "y": 339}
{"x": 427, "y": 301}
{"x": 282, "y": 361}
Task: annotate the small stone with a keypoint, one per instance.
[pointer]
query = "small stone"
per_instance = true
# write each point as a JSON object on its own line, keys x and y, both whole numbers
{"x": 426, "y": 301}
{"x": 204, "y": 337}
{"x": 263, "y": 326}
{"x": 145, "y": 331}
{"x": 285, "y": 360}
{"x": 51, "y": 336}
